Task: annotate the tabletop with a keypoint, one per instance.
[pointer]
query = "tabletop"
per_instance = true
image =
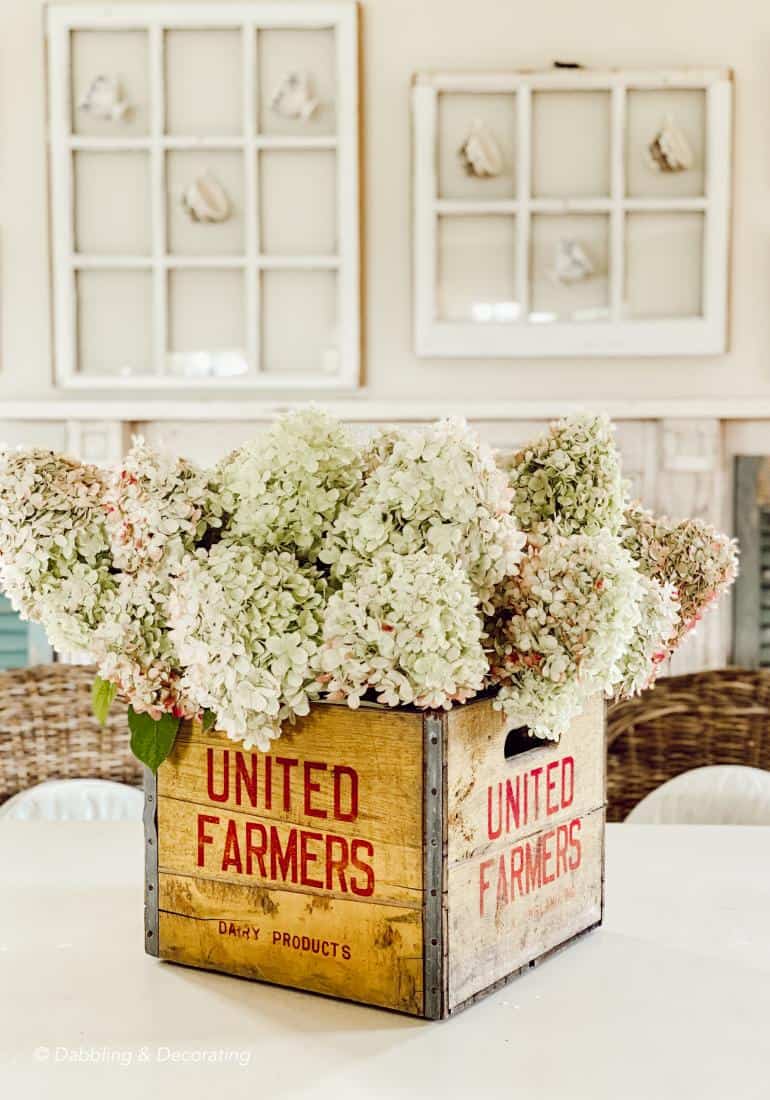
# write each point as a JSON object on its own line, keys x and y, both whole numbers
{"x": 670, "y": 998}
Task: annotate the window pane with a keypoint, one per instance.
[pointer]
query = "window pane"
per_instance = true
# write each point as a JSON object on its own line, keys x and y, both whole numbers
{"x": 477, "y": 269}
{"x": 114, "y": 311}
{"x": 299, "y": 321}
{"x": 569, "y": 264}
{"x": 570, "y": 144}
{"x": 664, "y": 265}
{"x": 204, "y": 82}
{"x": 484, "y": 117}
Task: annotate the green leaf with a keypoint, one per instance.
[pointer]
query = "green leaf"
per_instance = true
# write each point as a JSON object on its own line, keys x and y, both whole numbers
{"x": 208, "y": 720}
{"x": 102, "y": 697}
{"x": 151, "y": 740}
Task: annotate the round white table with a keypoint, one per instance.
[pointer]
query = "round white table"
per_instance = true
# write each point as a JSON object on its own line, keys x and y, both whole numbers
{"x": 670, "y": 999}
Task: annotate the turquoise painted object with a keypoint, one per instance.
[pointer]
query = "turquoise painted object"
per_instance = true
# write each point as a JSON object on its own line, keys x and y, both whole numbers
{"x": 21, "y": 643}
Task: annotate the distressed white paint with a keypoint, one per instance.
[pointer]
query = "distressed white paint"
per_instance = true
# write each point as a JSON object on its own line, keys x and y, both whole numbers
{"x": 342, "y": 19}
{"x": 619, "y": 335}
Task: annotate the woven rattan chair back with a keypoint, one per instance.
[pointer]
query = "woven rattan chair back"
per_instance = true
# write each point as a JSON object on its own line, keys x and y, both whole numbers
{"x": 719, "y": 717}
{"x": 47, "y": 730}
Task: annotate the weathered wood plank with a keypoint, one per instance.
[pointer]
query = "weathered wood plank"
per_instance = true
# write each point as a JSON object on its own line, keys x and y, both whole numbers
{"x": 746, "y": 624}
{"x": 225, "y": 844}
{"x": 358, "y": 951}
{"x": 311, "y": 764}
{"x": 508, "y": 908}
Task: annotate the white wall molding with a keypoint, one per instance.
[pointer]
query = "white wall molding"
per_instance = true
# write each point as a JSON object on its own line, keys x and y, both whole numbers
{"x": 370, "y": 410}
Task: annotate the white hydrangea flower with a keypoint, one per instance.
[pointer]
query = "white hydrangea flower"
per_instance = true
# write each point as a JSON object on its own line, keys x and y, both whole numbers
{"x": 651, "y": 641}
{"x": 569, "y": 480}
{"x": 407, "y": 628}
{"x": 288, "y": 486}
{"x": 246, "y": 626}
{"x": 436, "y": 489}
{"x": 561, "y": 627}
{"x": 698, "y": 561}
{"x": 133, "y": 648}
{"x": 157, "y": 507}
{"x": 55, "y": 563}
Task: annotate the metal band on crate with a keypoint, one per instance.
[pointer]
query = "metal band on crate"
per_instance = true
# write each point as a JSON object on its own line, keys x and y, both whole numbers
{"x": 433, "y": 799}
{"x": 151, "y": 944}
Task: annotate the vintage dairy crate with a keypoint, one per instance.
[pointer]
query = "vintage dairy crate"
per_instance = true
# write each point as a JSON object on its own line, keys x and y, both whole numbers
{"x": 412, "y": 860}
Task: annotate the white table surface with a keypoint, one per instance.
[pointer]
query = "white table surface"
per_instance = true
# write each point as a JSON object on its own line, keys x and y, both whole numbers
{"x": 671, "y": 998}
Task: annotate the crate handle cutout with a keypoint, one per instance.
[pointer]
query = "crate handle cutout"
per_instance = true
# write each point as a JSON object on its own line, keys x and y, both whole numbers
{"x": 520, "y": 740}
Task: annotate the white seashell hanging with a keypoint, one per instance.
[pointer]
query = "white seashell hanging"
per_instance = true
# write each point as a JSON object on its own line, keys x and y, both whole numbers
{"x": 670, "y": 150}
{"x": 294, "y": 98}
{"x": 105, "y": 99}
{"x": 571, "y": 263}
{"x": 480, "y": 152}
{"x": 206, "y": 201}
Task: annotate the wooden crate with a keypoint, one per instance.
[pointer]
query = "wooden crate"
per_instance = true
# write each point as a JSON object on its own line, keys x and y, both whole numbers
{"x": 402, "y": 859}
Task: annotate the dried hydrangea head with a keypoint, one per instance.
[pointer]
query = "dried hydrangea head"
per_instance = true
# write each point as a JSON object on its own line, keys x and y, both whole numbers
{"x": 55, "y": 563}
{"x": 436, "y": 489}
{"x": 288, "y": 486}
{"x": 157, "y": 507}
{"x": 407, "y": 628}
{"x": 651, "y": 641}
{"x": 133, "y": 647}
{"x": 569, "y": 481}
{"x": 561, "y": 627}
{"x": 697, "y": 560}
{"x": 246, "y": 626}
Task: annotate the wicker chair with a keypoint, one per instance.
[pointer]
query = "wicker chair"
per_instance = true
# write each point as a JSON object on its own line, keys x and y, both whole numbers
{"x": 47, "y": 730}
{"x": 720, "y": 717}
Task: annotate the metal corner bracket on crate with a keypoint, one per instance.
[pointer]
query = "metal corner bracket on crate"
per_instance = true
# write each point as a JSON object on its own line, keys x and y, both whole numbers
{"x": 409, "y": 860}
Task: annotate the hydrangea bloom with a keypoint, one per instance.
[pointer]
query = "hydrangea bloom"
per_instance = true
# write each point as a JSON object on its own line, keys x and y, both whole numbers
{"x": 692, "y": 556}
{"x": 246, "y": 626}
{"x": 157, "y": 507}
{"x": 651, "y": 641}
{"x": 54, "y": 556}
{"x": 307, "y": 565}
{"x": 407, "y": 628}
{"x": 435, "y": 489}
{"x": 569, "y": 480}
{"x": 134, "y": 649}
{"x": 561, "y": 627}
{"x": 288, "y": 486}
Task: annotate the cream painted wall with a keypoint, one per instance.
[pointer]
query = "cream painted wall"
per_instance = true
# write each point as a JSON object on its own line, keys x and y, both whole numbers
{"x": 400, "y": 37}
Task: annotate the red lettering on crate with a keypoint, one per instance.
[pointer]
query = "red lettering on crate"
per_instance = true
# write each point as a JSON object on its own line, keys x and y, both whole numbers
{"x": 291, "y": 854}
{"x": 233, "y": 777}
{"x": 330, "y": 949}
{"x": 284, "y": 853}
{"x": 528, "y": 866}
{"x": 521, "y": 801}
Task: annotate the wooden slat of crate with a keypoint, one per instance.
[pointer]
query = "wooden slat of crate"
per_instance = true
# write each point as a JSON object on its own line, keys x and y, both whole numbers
{"x": 398, "y": 867}
{"x": 353, "y": 949}
{"x": 384, "y": 747}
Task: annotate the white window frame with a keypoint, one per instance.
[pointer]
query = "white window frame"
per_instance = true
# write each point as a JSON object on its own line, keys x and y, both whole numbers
{"x": 249, "y": 18}
{"x": 702, "y": 335}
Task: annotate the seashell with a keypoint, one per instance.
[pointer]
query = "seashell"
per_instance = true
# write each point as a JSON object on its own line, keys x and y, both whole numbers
{"x": 670, "y": 150}
{"x": 572, "y": 263}
{"x": 480, "y": 152}
{"x": 104, "y": 99}
{"x": 205, "y": 200}
{"x": 293, "y": 98}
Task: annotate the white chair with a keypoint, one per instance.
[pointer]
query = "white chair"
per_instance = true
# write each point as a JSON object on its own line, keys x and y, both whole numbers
{"x": 727, "y": 794}
{"x": 75, "y": 800}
